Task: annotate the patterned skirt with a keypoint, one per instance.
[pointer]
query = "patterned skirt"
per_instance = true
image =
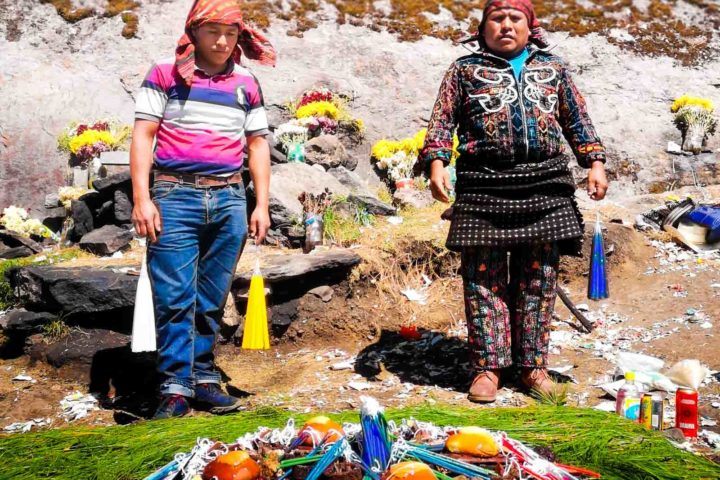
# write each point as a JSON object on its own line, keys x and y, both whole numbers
{"x": 526, "y": 204}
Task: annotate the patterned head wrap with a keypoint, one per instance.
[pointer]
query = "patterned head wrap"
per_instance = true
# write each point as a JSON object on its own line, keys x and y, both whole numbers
{"x": 537, "y": 34}
{"x": 227, "y": 12}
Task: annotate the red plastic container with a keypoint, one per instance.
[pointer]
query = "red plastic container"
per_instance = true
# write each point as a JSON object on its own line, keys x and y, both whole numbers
{"x": 686, "y": 412}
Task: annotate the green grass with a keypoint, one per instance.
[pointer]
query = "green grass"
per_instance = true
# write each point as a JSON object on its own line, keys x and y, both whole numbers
{"x": 7, "y": 298}
{"x": 603, "y": 442}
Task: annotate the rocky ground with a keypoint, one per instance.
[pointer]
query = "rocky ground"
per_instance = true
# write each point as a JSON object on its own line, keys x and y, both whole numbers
{"x": 345, "y": 342}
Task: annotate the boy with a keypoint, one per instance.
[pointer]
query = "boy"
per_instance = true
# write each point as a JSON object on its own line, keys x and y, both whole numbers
{"x": 205, "y": 111}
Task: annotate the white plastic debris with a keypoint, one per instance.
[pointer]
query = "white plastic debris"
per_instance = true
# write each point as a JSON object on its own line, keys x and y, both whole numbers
{"x": 359, "y": 386}
{"x": 416, "y": 295}
{"x": 688, "y": 373}
{"x": 76, "y": 406}
{"x": 395, "y": 220}
{"x": 342, "y": 366}
{"x": 606, "y": 406}
{"x": 712, "y": 438}
{"x": 24, "y": 378}
{"x": 706, "y": 325}
{"x": 24, "y": 427}
{"x": 673, "y": 147}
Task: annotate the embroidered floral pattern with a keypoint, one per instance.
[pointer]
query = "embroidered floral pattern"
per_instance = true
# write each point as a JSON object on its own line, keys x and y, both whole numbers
{"x": 509, "y": 322}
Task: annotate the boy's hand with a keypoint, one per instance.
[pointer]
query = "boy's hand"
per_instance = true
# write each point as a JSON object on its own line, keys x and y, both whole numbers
{"x": 259, "y": 224}
{"x": 147, "y": 220}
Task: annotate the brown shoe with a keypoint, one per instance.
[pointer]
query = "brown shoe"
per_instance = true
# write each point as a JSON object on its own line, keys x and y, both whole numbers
{"x": 537, "y": 379}
{"x": 484, "y": 386}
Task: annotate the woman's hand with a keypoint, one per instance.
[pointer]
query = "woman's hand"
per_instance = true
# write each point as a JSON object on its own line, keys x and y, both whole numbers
{"x": 439, "y": 181}
{"x": 597, "y": 181}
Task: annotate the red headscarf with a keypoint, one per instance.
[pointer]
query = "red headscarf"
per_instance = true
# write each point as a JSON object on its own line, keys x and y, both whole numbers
{"x": 537, "y": 34}
{"x": 226, "y": 12}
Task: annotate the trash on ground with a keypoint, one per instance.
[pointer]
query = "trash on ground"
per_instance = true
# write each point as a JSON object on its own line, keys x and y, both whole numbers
{"x": 24, "y": 427}
{"x": 76, "y": 406}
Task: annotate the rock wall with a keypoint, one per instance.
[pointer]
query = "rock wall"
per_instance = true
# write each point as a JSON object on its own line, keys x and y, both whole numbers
{"x": 52, "y": 72}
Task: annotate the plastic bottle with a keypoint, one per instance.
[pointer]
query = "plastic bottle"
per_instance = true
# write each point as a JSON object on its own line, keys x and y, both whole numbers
{"x": 628, "y": 398}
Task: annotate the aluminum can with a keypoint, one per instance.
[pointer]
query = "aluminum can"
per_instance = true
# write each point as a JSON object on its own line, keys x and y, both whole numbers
{"x": 646, "y": 407}
{"x": 686, "y": 412}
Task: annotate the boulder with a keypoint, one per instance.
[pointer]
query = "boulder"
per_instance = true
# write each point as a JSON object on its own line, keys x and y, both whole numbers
{"x": 288, "y": 181}
{"x": 114, "y": 182}
{"x": 54, "y": 218}
{"x": 294, "y": 267}
{"x": 411, "y": 197}
{"x": 22, "y": 322}
{"x": 106, "y": 240}
{"x": 83, "y": 221}
{"x": 15, "y": 240}
{"x": 372, "y": 204}
{"x": 123, "y": 207}
{"x": 17, "y": 252}
{"x": 105, "y": 215}
{"x": 80, "y": 347}
{"x": 73, "y": 290}
{"x": 350, "y": 179}
{"x": 292, "y": 276}
{"x": 327, "y": 151}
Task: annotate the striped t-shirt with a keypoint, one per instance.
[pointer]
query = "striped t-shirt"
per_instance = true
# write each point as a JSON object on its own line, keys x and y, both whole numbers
{"x": 203, "y": 129}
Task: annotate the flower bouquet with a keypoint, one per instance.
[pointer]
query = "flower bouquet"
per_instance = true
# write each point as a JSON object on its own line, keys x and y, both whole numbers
{"x": 85, "y": 142}
{"x": 18, "y": 220}
{"x": 694, "y": 118}
{"x": 398, "y": 157}
{"x": 324, "y": 112}
{"x": 291, "y": 137}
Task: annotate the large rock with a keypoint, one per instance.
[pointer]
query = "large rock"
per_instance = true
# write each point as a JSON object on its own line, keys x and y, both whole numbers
{"x": 123, "y": 207}
{"x": 15, "y": 240}
{"x": 73, "y": 290}
{"x": 372, "y": 204}
{"x": 288, "y": 181}
{"x": 280, "y": 268}
{"x": 54, "y": 218}
{"x": 350, "y": 179}
{"x": 327, "y": 151}
{"x": 17, "y": 252}
{"x": 413, "y": 198}
{"x": 106, "y": 240}
{"x": 83, "y": 221}
{"x": 22, "y": 322}
{"x": 291, "y": 276}
{"x": 114, "y": 182}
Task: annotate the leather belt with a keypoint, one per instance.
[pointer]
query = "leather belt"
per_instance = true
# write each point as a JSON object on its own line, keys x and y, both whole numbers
{"x": 197, "y": 181}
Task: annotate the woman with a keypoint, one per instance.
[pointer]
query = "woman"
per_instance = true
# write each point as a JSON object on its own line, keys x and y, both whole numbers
{"x": 511, "y": 103}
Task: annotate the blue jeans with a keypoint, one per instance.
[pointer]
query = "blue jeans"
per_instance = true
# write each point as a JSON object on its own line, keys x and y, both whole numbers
{"x": 191, "y": 268}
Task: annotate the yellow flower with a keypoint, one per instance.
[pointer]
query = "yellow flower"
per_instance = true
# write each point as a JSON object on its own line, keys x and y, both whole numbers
{"x": 318, "y": 109}
{"x": 385, "y": 148}
{"x": 687, "y": 100}
{"x": 90, "y": 137}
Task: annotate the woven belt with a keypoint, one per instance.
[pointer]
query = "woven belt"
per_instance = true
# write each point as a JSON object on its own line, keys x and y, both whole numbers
{"x": 198, "y": 181}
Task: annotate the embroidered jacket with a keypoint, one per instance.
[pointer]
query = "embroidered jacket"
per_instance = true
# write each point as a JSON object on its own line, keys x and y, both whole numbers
{"x": 502, "y": 122}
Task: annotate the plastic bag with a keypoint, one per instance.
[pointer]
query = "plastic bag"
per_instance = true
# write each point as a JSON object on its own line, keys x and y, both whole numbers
{"x": 143, "y": 330}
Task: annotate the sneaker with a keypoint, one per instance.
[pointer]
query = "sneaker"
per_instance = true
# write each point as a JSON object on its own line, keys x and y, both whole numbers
{"x": 209, "y": 397}
{"x": 172, "y": 406}
{"x": 484, "y": 387}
